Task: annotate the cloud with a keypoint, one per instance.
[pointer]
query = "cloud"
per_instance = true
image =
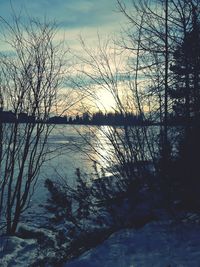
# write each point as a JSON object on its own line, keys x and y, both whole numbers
{"x": 74, "y": 17}
{"x": 70, "y": 13}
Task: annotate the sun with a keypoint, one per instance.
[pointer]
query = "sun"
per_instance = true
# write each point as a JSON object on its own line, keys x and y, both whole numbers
{"x": 105, "y": 101}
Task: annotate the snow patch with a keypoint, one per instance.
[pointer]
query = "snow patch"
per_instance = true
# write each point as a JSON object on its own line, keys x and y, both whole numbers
{"x": 17, "y": 252}
{"x": 157, "y": 244}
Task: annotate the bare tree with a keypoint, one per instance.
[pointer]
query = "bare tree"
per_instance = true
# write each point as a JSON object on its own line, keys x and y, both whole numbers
{"x": 31, "y": 74}
{"x": 164, "y": 26}
{"x": 124, "y": 150}
{"x": 156, "y": 29}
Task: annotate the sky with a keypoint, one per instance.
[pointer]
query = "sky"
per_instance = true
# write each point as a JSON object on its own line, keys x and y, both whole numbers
{"x": 74, "y": 17}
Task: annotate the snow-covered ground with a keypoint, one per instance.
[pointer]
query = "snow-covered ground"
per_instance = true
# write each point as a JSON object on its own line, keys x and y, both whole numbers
{"x": 17, "y": 252}
{"x": 157, "y": 244}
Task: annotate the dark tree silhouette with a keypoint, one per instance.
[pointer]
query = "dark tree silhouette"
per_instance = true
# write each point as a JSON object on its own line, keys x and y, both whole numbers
{"x": 29, "y": 87}
{"x": 186, "y": 69}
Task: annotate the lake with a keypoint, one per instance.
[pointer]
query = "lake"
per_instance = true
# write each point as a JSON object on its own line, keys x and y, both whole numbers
{"x": 72, "y": 147}
{"x": 77, "y": 146}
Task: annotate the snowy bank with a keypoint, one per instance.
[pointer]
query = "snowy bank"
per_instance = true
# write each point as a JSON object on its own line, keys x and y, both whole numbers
{"x": 157, "y": 244}
{"x": 164, "y": 243}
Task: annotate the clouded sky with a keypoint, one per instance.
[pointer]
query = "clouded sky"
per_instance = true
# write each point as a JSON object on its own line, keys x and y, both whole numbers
{"x": 74, "y": 17}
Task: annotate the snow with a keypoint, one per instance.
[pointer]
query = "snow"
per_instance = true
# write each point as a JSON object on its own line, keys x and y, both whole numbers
{"x": 17, "y": 252}
{"x": 158, "y": 244}
{"x": 23, "y": 252}
{"x": 162, "y": 243}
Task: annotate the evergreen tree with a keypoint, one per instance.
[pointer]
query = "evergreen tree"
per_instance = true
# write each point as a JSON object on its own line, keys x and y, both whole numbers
{"x": 186, "y": 69}
{"x": 186, "y": 95}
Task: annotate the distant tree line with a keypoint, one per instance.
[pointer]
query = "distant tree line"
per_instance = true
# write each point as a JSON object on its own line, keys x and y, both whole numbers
{"x": 9, "y": 116}
{"x": 97, "y": 118}
{"x": 100, "y": 118}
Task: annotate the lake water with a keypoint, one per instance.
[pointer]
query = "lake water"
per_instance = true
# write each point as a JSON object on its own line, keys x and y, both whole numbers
{"x": 72, "y": 147}
{"x": 78, "y": 147}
